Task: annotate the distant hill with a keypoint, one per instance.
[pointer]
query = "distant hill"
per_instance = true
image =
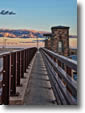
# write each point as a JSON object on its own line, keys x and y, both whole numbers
{"x": 24, "y": 33}
{"x": 21, "y": 33}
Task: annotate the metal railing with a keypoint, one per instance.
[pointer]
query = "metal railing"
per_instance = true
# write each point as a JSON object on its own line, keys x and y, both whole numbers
{"x": 12, "y": 68}
{"x": 60, "y": 70}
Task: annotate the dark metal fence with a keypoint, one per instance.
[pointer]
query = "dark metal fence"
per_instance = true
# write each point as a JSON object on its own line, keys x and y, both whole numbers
{"x": 60, "y": 71}
{"x": 12, "y": 68}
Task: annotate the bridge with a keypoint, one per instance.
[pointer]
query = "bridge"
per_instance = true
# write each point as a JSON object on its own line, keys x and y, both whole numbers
{"x": 37, "y": 77}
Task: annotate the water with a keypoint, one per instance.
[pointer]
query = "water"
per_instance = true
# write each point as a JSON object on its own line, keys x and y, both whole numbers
{"x": 75, "y": 76}
{"x": 73, "y": 57}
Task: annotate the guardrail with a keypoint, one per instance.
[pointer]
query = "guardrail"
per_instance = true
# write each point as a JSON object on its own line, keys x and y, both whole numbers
{"x": 12, "y": 68}
{"x": 60, "y": 71}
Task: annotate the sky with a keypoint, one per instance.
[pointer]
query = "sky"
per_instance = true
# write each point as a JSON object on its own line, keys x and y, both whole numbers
{"x": 39, "y": 14}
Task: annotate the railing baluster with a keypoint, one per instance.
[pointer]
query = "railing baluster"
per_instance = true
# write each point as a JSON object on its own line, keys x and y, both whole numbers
{"x": 1, "y": 79}
{"x": 22, "y": 64}
{"x": 14, "y": 65}
{"x": 69, "y": 71}
{"x": 18, "y": 68}
{"x": 59, "y": 64}
{"x": 13, "y": 74}
{"x": 62, "y": 73}
{"x": 6, "y": 75}
{"x": 25, "y": 61}
{"x": 27, "y": 57}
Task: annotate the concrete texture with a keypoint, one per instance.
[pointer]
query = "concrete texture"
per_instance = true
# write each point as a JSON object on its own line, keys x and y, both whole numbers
{"x": 39, "y": 91}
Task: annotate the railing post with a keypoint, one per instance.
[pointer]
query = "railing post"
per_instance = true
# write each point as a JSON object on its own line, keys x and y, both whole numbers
{"x": 69, "y": 72}
{"x": 30, "y": 54}
{"x": 1, "y": 80}
{"x": 60, "y": 65}
{"x": 65, "y": 86}
{"x": 13, "y": 74}
{"x": 1, "y": 88}
{"x": 14, "y": 66}
{"x": 25, "y": 61}
{"x": 27, "y": 57}
{"x": 22, "y": 64}
{"x": 6, "y": 75}
{"x": 18, "y": 68}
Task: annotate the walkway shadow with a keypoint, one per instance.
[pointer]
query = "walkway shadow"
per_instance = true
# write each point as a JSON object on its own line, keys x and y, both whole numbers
{"x": 42, "y": 79}
{"x": 41, "y": 74}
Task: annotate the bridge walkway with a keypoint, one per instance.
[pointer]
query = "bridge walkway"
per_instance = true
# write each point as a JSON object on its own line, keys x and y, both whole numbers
{"x": 39, "y": 91}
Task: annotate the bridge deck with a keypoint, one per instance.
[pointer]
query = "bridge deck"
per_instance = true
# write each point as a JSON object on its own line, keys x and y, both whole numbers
{"x": 39, "y": 91}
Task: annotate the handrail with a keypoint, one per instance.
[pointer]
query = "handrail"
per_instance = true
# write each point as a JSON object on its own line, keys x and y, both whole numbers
{"x": 15, "y": 64}
{"x": 13, "y": 51}
{"x": 64, "y": 87}
{"x": 69, "y": 62}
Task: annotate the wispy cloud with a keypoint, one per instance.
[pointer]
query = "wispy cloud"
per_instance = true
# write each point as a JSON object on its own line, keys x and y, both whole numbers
{"x": 4, "y": 12}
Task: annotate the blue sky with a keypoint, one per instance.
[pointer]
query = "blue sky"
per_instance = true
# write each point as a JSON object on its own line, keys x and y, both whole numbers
{"x": 39, "y": 14}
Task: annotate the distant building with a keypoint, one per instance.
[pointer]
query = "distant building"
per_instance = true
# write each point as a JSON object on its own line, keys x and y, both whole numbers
{"x": 73, "y": 51}
{"x": 58, "y": 41}
{"x": 48, "y": 41}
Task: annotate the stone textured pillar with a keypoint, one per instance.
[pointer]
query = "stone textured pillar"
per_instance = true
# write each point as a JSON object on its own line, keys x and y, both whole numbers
{"x": 48, "y": 41}
{"x": 60, "y": 33}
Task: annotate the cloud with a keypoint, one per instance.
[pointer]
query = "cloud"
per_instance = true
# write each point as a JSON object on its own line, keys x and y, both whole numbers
{"x": 3, "y": 12}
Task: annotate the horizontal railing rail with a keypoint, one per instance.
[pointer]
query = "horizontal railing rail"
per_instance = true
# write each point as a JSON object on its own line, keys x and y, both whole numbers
{"x": 69, "y": 62}
{"x": 13, "y": 65}
{"x": 60, "y": 71}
